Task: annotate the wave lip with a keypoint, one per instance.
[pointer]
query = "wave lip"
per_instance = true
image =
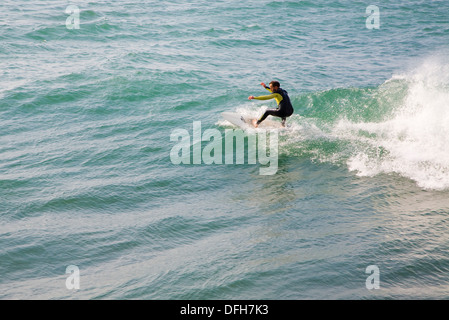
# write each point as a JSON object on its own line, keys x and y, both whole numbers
{"x": 414, "y": 141}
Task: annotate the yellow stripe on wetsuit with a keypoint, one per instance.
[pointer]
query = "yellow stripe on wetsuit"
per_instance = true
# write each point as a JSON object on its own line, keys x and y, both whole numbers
{"x": 276, "y": 96}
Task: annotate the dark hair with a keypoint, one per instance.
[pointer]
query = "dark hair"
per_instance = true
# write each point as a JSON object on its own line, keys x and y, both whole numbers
{"x": 275, "y": 84}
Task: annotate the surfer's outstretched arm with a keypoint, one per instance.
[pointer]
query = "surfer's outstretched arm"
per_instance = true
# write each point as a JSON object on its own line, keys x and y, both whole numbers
{"x": 276, "y": 96}
{"x": 268, "y": 97}
{"x": 265, "y": 86}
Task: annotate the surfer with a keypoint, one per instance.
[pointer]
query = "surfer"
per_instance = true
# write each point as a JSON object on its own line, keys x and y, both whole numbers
{"x": 284, "y": 109}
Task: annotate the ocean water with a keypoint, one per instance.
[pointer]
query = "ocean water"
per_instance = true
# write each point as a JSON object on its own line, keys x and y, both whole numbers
{"x": 86, "y": 177}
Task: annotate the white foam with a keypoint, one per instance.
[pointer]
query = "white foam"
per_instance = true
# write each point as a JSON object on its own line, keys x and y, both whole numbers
{"x": 415, "y": 141}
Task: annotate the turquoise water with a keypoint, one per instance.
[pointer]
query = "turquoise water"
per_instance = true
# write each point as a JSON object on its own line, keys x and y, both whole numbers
{"x": 87, "y": 180}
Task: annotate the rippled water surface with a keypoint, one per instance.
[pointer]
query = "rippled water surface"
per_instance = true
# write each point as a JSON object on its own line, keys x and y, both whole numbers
{"x": 86, "y": 177}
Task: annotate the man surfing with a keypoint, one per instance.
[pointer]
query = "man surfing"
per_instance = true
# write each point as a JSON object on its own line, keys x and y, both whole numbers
{"x": 285, "y": 108}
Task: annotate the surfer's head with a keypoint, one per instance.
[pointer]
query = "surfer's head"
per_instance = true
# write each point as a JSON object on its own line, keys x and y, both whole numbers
{"x": 274, "y": 85}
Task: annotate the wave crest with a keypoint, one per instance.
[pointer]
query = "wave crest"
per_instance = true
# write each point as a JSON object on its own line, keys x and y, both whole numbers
{"x": 414, "y": 140}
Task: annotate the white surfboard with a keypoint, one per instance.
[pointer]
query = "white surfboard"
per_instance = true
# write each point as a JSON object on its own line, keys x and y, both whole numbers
{"x": 246, "y": 122}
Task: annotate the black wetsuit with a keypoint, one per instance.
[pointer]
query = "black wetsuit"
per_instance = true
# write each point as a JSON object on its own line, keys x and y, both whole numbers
{"x": 285, "y": 108}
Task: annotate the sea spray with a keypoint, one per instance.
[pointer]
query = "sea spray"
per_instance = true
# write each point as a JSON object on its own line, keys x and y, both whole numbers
{"x": 415, "y": 140}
